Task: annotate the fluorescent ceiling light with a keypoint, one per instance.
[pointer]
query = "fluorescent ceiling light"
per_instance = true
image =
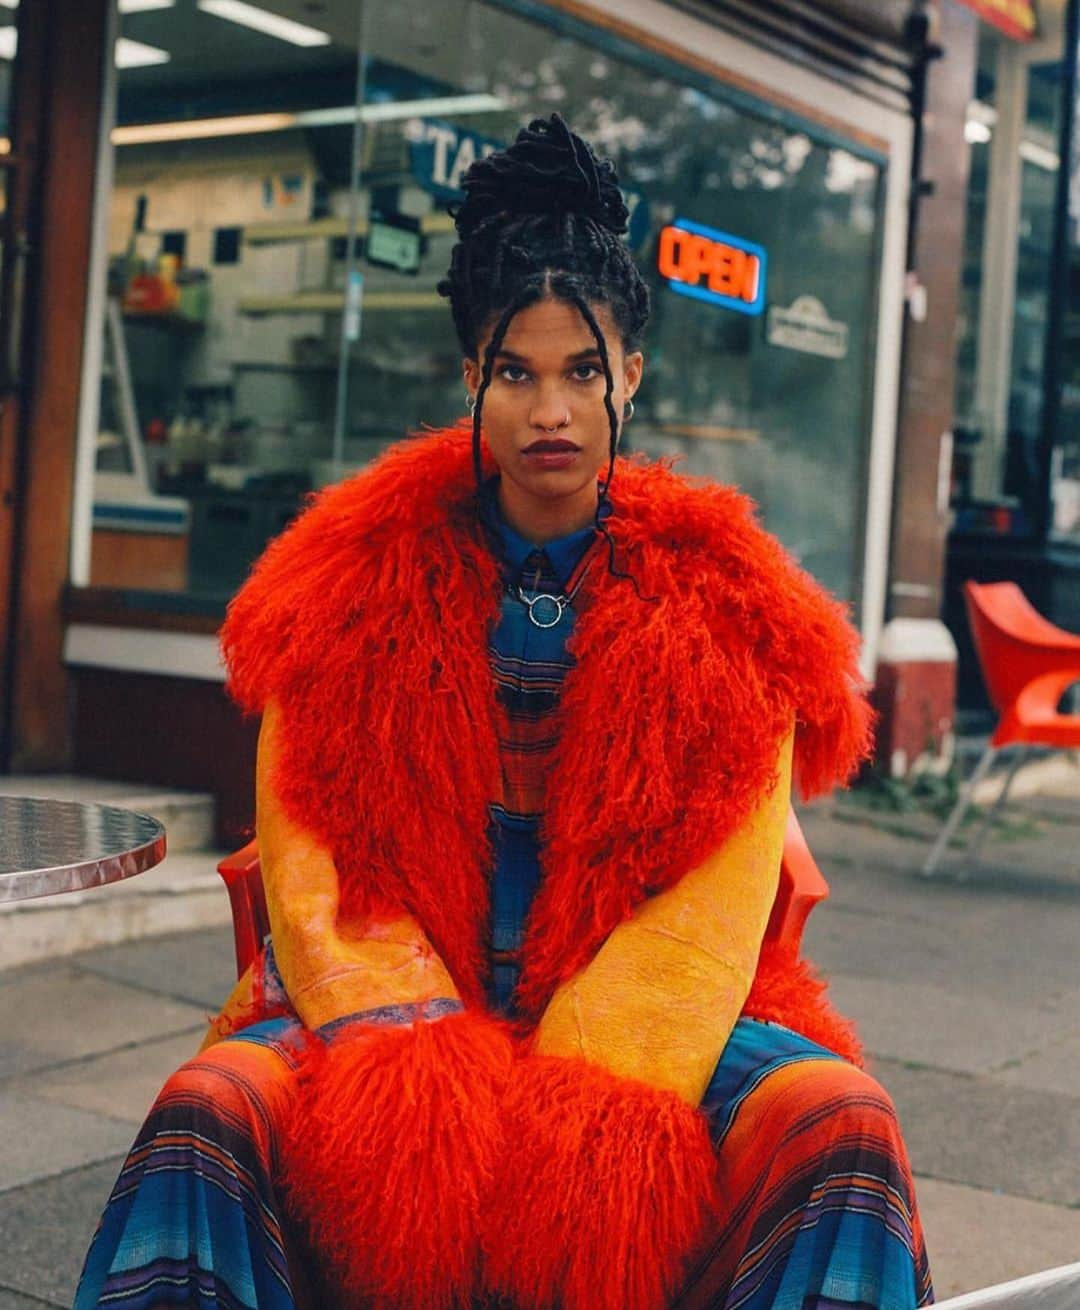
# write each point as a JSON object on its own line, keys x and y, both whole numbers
{"x": 126, "y": 6}
{"x": 389, "y": 110}
{"x": 251, "y": 124}
{"x": 981, "y": 112}
{"x": 135, "y": 54}
{"x": 242, "y": 125}
{"x": 1040, "y": 156}
{"x": 129, "y": 54}
{"x": 261, "y": 20}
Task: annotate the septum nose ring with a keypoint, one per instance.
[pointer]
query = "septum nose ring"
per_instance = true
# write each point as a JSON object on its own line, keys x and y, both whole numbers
{"x": 564, "y": 424}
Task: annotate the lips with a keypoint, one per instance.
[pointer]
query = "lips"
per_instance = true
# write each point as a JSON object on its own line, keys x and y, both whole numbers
{"x": 546, "y": 446}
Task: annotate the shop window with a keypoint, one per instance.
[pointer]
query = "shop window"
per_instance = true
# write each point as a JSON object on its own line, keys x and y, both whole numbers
{"x": 265, "y": 355}
{"x": 1000, "y": 466}
{"x": 1064, "y": 495}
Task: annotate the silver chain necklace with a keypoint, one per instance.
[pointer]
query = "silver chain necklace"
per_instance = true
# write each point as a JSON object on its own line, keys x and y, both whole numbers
{"x": 544, "y": 609}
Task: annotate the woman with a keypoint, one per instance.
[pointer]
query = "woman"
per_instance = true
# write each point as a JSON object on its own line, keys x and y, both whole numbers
{"x": 529, "y": 721}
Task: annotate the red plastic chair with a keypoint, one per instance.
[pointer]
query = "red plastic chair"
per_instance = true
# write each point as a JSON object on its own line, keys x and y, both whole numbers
{"x": 1027, "y": 664}
{"x": 242, "y": 875}
{"x": 801, "y": 887}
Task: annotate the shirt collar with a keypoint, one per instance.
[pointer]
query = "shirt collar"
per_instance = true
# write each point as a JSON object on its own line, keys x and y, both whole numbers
{"x": 563, "y": 553}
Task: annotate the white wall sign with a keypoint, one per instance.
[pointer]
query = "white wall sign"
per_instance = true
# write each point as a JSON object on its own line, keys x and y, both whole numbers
{"x": 806, "y": 326}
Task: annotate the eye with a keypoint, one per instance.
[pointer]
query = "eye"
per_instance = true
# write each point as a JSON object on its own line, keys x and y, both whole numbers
{"x": 509, "y": 369}
{"x": 586, "y": 372}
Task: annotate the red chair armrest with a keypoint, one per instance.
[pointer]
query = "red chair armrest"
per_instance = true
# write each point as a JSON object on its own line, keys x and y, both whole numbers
{"x": 242, "y": 875}
{"x": 802, "y": 885}
{"x": 1033, "y": 717}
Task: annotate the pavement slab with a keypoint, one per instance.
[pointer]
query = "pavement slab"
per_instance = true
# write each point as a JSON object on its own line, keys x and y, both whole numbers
{"x": 992, "y": 1135}
{"x": 1054, "y": 1066}
{"x": 46, "y": 1229}
{"x": 965, "y": 1228}
{"x": 1015, "y": 947}
{"x": 120, "y": 1085}
{"x": 948, "y": 1027}
{"x": 64, "y": 1014}
{"x": 196, "y": 967}
{"x": 42, "y": 1139}
{"x": 10, "y": 1300}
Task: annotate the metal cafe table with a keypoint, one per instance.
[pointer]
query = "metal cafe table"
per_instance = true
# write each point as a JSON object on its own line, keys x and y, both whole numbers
{"x": 50, "y": 846}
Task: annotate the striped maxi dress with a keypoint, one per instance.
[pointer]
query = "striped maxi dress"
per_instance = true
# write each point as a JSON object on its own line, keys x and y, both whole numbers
{"x": 822, "y": 1211}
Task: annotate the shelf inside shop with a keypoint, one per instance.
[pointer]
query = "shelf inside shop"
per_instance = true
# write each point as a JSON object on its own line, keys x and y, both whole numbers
{"x": 269, "y": 366}
{"x": 333, "y": 302}
{"x": 329, "y": 228}
{"x": 175, "y": 322}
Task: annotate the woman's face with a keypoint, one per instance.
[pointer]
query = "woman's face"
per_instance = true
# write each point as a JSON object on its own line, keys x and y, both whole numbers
{"x": 544, "y": 418}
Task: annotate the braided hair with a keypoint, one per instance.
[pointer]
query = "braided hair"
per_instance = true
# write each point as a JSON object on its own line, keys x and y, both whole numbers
{"x": 543, "y": 219}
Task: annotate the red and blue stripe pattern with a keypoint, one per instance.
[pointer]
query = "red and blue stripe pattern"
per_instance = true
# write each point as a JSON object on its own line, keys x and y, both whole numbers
{"x": 822, "y": 1210}
{"x": 194, "y": 1218}
{"x": 820, "y": 1207}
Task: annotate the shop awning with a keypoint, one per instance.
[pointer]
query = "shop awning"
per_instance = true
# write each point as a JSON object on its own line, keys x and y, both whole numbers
{"x": 1016, "y": 18}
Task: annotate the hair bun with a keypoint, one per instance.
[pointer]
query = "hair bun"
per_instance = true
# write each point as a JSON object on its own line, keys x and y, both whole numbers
{"x": 548, "y": 169}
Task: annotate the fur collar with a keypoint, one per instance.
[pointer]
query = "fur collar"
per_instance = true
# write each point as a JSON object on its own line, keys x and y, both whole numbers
{"x": 368, "y": 620}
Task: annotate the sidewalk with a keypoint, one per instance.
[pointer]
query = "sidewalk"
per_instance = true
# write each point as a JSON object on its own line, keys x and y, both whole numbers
{"x": 967, "y": 994}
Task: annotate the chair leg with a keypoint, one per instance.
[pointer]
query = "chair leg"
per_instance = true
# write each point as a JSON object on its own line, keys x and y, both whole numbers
{"x": 958, "y": 811}
{"x": 984, "y": 827}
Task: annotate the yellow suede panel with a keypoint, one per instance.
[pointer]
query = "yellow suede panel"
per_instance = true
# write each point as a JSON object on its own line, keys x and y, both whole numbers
{"x": 330, "y": 971}
{"x": 659, "y": 1000}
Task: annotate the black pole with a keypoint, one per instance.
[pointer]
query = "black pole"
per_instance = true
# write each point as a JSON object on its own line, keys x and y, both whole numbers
{"x": 924, "y": 51}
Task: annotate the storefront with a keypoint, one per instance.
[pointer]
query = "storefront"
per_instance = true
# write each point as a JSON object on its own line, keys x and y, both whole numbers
{"x": 1016, "y": 463}
{"x": 263, "y": 320}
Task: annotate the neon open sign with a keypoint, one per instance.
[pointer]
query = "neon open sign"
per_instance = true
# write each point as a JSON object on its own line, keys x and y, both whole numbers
{"x": 714, "y": 266}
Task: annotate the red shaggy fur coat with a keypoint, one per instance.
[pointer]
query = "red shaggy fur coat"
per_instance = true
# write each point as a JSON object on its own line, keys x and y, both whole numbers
{"x": 368, "y": 622}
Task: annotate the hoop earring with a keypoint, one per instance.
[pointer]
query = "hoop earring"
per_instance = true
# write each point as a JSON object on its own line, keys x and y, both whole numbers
{"x": 470, "y": 401}
{"x": 628, "y": 411}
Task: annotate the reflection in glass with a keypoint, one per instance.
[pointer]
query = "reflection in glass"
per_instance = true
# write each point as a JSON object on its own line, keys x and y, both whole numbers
{"x": 1065, "y": 457}
{"x": 233, "y": 293}
{"x": 1013, "y": 127}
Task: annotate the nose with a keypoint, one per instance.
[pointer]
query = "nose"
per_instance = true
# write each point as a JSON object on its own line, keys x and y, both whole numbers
{"x": 550, "y": 409}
